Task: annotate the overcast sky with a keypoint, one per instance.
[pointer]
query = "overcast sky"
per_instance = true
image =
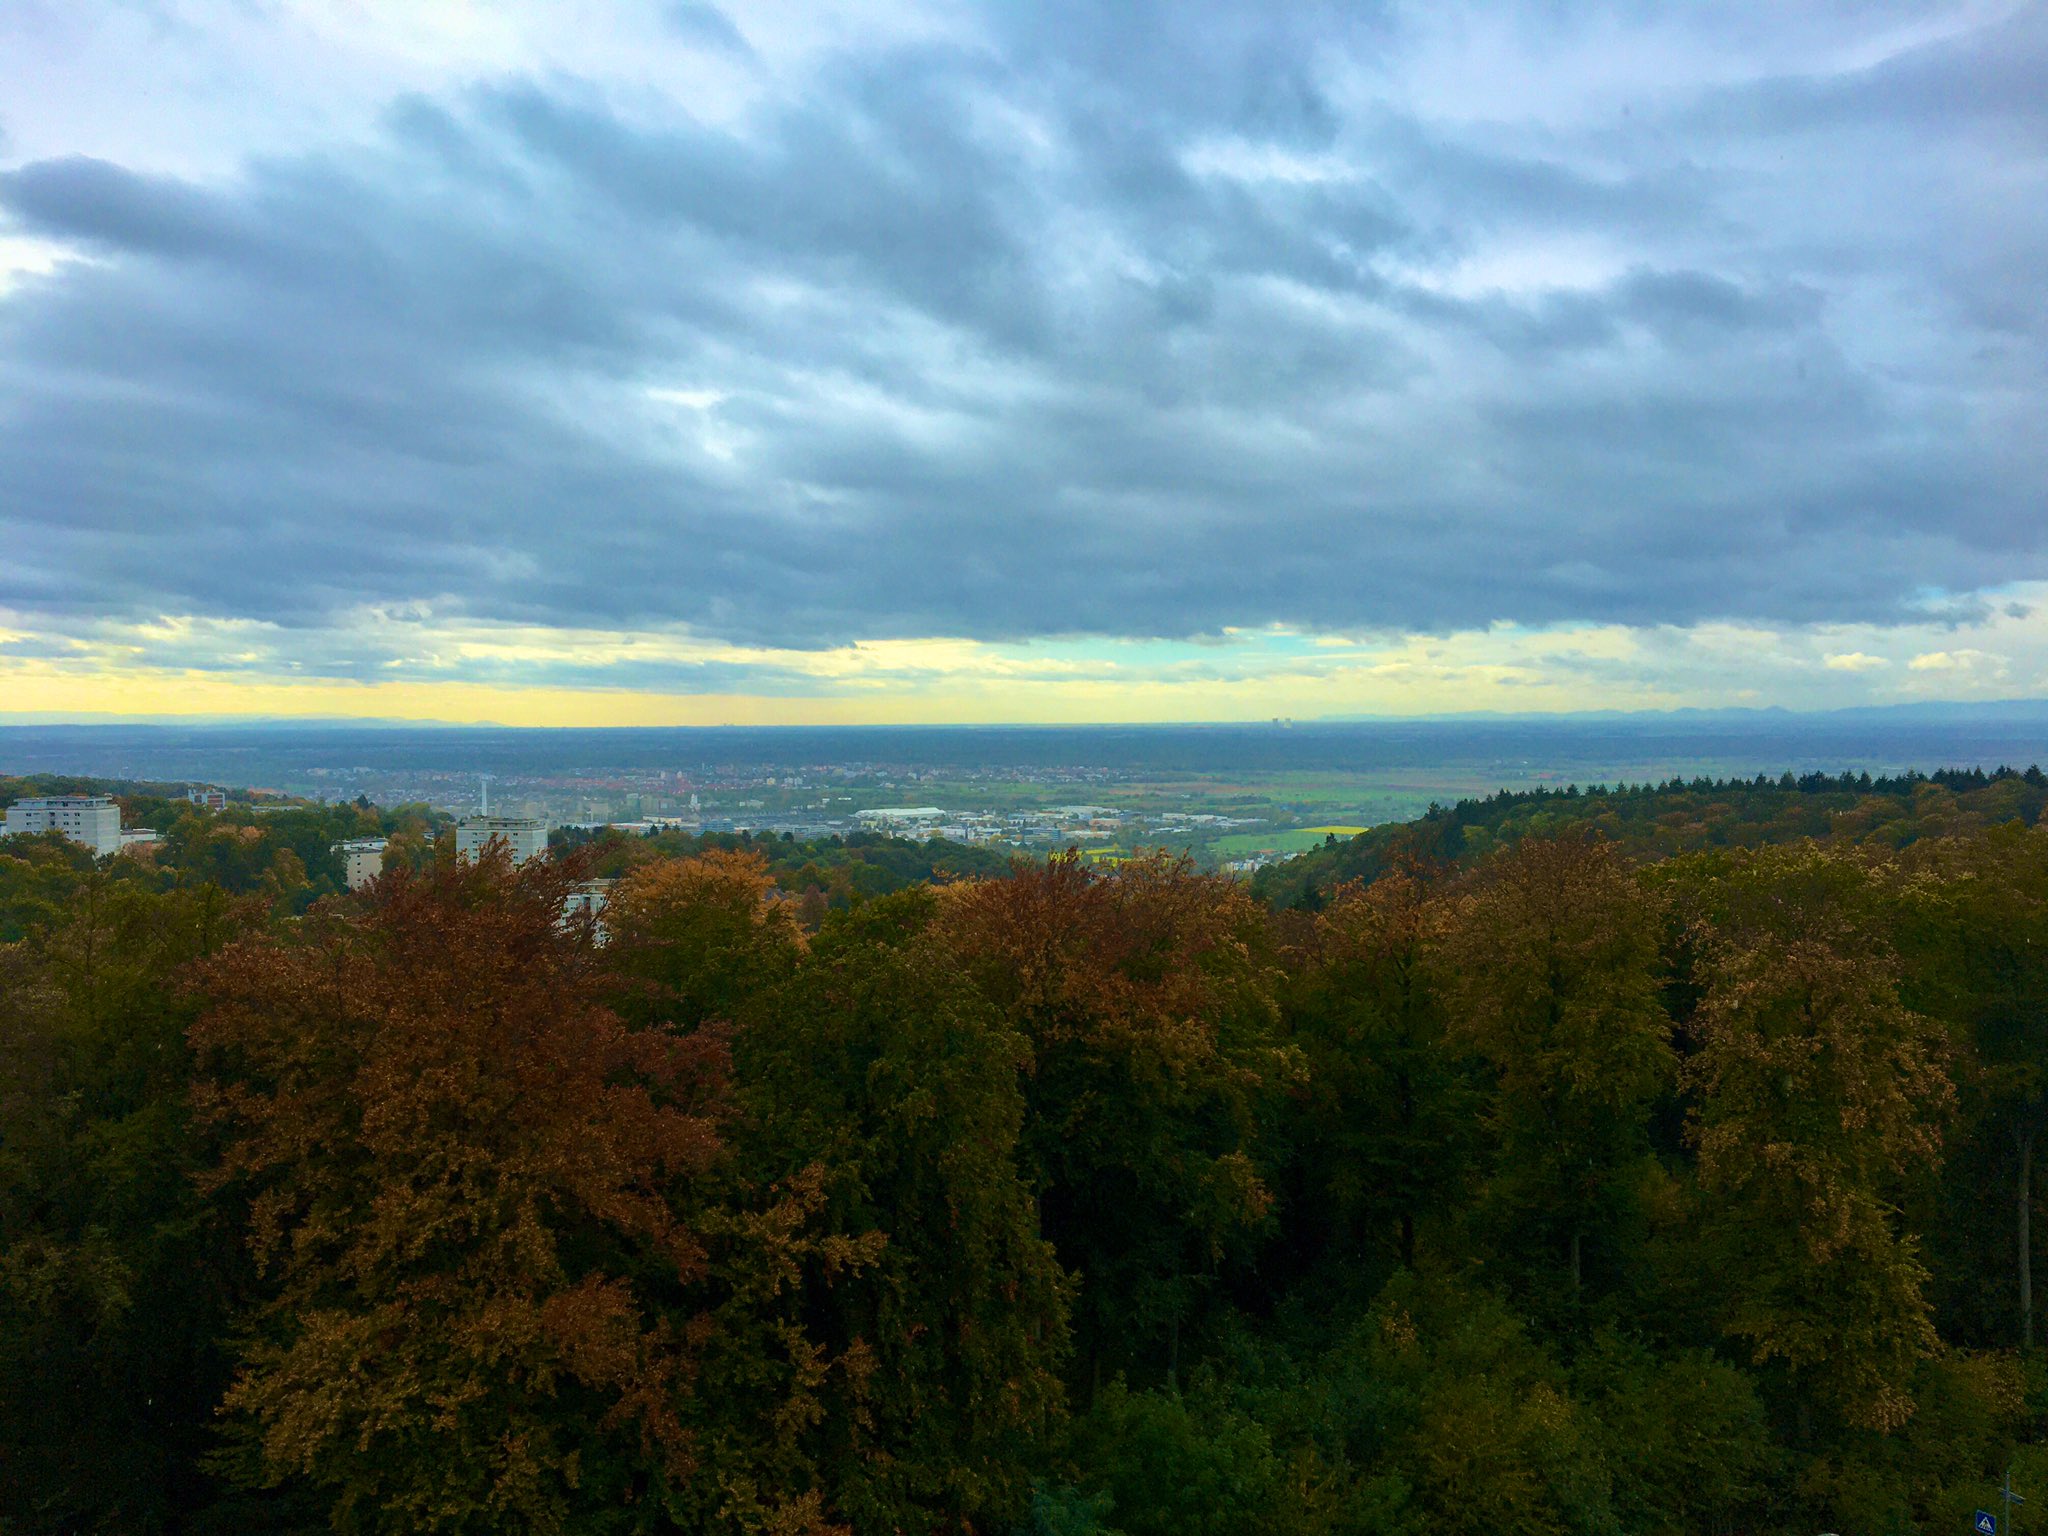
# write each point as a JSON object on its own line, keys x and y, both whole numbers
{"x": 578, "y": 362}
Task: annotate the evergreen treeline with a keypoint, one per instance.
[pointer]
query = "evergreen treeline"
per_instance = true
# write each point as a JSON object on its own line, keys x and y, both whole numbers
{"x": 1549, "y": 1187}
{"x": 1680, "y": 816}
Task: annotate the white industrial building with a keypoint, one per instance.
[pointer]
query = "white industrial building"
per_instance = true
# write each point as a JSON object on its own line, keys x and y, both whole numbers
{"x": 900, "y": 818}
{"x": 93, "y": 820}
{"x": 522, "y": 837}
{"x": 362, "y": 860}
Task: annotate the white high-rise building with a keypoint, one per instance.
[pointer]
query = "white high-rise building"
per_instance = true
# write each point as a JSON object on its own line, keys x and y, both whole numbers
{"x": 523, "y": 838}
{"x": 362, "y": 860}
{"x": 93, "y": 820}
{"x": 589, "y": 900}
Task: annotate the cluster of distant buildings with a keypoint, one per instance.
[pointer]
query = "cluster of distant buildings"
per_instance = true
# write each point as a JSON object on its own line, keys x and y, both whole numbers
{"x": 94, "y": 821}
{"x": 521, "y": 838}
{"x": 1069, "y": 823}
{"x": 1050, "y": 825}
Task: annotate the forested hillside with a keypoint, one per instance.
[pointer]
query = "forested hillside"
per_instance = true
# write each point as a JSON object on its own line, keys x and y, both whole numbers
{"x": 831, "y": 871}
{"x": 1628, "y": 1162}
{"x": 1652, "y": 821}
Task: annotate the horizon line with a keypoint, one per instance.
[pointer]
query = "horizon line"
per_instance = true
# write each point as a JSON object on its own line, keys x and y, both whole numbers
{"x": 45, "y": 720}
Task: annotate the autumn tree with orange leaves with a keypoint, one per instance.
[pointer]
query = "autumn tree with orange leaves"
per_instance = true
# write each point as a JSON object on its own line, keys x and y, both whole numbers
{"x": 695, "y": 940}
{"x": 1820, "y": 1096}
{"x": 458, "y": 1169}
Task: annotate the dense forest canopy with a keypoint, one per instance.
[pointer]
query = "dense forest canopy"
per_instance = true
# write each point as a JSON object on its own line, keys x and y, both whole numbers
{"x": 1652, "y": 1160}
{"x": 1681, "y": 816}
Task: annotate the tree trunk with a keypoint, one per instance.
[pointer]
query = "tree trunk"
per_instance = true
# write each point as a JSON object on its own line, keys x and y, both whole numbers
{"x": 1408, "y": 1239}
{"x": 1576, "y": 1274}
{"x": 2025, "y": 1137}
{"x": 1173, "y": 1357}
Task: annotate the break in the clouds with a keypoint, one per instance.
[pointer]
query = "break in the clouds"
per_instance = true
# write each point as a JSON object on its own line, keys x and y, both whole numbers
{"x": 682, "y": 350}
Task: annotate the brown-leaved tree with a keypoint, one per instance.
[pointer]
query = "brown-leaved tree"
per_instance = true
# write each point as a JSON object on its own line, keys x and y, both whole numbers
{"x": 460, "y": 1172}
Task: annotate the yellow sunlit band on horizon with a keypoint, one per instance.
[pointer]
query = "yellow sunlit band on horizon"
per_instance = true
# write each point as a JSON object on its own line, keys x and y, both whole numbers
{"x": 1082, "y": 701}
{"x": 213, "y": 667}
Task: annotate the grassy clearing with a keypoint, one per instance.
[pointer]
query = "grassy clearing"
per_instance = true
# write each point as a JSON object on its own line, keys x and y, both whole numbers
{"x": 1240, "y": 845}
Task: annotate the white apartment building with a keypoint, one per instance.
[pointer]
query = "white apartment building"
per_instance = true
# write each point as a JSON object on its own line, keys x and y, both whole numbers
{"x": 362, "y": 860}
{"x": 588, "y": 900}
{"x": 523, "y": 838}
{"x": 93, "y": 820}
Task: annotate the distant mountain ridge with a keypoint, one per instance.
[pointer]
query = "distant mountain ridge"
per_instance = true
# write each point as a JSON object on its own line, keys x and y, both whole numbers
{"x": 1933, "y": 710}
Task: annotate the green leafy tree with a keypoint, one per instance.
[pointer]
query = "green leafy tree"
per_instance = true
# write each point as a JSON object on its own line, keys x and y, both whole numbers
{"x": 1385, "y": 1122}
{"x": 1549, "y": 971}
{"x": 1685, "y": 1437}
{"x": 40, "y": 877}
{"x": 1159, "y": 1465}
{"x": 1145, "y": 999}
{"x": 1972, "y": 925}
{"x": 116, "y": 1283}
{"x": 1476, "y": 1417}
{"x": 881, "y": 1068}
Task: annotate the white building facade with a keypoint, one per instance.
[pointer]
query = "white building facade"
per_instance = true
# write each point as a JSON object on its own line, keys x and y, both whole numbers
{"x": 900, "y": 819}
{"x": 362, "y": 860}
{"x": 523, "y": 838}
{"x": 93, "y": 820}
{"x": 589, "y": 900}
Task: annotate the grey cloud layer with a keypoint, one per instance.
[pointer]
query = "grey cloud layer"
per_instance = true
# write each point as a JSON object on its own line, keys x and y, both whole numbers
{"x": 1144, "y": 326}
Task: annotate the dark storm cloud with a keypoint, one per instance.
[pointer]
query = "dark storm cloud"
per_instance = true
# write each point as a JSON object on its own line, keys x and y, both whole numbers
{"x": 1116, "y": 320}
{"x": 104, "y": 204}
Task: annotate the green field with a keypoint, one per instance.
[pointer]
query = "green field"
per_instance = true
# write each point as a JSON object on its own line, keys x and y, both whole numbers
{"x": 1240, "y": 845}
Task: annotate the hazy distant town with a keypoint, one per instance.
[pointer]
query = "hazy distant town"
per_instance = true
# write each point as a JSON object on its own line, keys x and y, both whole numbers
{"x": 1027, "y": 809}
{"x": 1237, "y": 798}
